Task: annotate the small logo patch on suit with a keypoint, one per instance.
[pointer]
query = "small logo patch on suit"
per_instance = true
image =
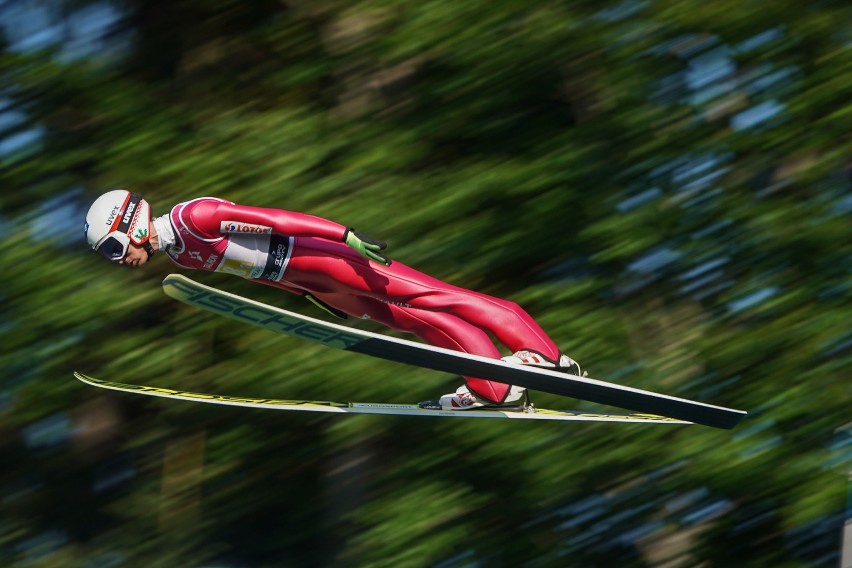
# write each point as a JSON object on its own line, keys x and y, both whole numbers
{"x": 237, "y": 227}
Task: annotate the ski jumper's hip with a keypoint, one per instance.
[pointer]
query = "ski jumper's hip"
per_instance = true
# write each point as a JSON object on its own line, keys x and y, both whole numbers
{"x": 326, "y": 267}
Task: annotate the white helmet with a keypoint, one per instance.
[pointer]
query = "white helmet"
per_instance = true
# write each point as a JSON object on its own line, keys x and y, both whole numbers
{"x": 116, "y": 219}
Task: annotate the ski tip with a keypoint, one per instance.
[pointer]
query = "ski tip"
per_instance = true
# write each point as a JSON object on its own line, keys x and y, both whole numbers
{"x": 84, "y": 378}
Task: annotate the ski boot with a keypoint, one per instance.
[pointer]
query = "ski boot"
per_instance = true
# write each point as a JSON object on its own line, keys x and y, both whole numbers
{"x": 463, "y": 399}
{"x": 565, "y": 364}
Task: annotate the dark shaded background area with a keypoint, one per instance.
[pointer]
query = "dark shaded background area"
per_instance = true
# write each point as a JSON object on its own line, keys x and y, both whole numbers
{"x": 665, "y": 186}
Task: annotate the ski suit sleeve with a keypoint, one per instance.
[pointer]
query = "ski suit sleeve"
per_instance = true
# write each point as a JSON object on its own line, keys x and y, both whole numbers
{"x": 216, "y": 218}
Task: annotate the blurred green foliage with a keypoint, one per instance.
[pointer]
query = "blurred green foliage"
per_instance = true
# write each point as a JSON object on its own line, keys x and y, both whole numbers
{"x": 665, "y": 186}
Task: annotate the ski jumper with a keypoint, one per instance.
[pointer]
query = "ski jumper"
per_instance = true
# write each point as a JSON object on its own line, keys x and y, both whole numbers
{"x": 303, "y": 253}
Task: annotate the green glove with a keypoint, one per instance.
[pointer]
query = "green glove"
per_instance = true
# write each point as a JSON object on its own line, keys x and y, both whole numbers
{"x": 322, "y": 305}
{"x": 366, "y": 246}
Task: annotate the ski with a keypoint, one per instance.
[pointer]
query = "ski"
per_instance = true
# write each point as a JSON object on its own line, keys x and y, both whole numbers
{"x": 436, "y": 358}
{"x": 373, "y": 408}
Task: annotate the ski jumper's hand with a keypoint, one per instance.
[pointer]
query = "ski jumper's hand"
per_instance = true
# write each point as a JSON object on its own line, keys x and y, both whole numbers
{"x": 323, "y": 306}
{"x": 366, "y": 246}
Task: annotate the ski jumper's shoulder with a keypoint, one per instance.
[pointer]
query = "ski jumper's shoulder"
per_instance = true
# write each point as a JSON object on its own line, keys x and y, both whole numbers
{"x": 204, "y": 216}
{"x": 199, "y": 217}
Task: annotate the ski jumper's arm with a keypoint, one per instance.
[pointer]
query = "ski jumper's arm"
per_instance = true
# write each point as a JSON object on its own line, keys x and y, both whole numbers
{"x": 217, "y": 218}
{"x": 232, "y": 218}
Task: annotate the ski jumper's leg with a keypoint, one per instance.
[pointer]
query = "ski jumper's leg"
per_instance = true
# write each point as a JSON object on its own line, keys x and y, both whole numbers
{"x": 408, "y": 300}
{"x": 441, "y": 329}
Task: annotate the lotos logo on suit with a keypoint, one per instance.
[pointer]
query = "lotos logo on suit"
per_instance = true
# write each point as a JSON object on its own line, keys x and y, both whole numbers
{"x": 237, "y": 227}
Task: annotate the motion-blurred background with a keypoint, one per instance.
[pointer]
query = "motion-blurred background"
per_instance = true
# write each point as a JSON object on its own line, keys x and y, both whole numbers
{"x": 665, "y": 186}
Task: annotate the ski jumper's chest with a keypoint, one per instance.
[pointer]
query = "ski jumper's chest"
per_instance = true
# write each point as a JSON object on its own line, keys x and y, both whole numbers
{"x": 244, "y": 250}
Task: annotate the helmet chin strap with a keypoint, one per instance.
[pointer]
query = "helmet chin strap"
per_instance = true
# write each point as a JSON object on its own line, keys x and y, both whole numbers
{"x": 148, "y": 248}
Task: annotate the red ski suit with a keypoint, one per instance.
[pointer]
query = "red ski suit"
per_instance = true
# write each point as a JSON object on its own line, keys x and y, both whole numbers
{"x": 303, "y": 253}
